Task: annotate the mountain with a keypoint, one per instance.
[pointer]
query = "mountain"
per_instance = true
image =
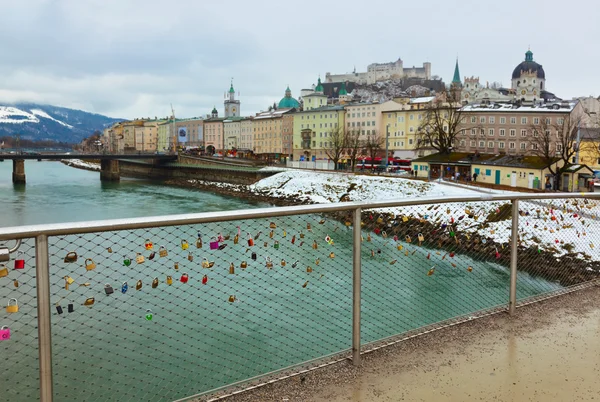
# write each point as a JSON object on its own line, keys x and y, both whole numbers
{"x": 45, "y": 122}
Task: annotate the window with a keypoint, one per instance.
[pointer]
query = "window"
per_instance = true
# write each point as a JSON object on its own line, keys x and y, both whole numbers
{"x": 523, "y": 120}
{"x": 513, "y": 132}
{"x": 411, "y": 117}
{"x": 559, "y": 147}
{"x": 490, "y": 144}
{"x": 523, "y": 133}
{"x": 473, "y": 131}
{"x": 523, "y": 145}
{"x": 502, "y": 132}
{"x": 363, "y": 124}
{"x": 536, "y": 120}
{"x": 472, "y": 143}
{"x": 363, "y": 114}
{"x": 373, "y": 123}
{"x": 482, "y": 119}
{"x": 501, "y": 145}
{"x": 492, "y": 119}
{"x": 348, "y": 125}
{"x": 491, "y": 132}
{"x": 502, "y": 120}
{"x": 482, "y": 132}
{"x": 488, "y": 172}
{"x": 462, "y": 143}
{"x": 481, "y": 144}
{"x": 389, "y": 115}
{"x": 511, "y": 145}
{"x": 420, "y": 116}
{"x": 534, "y": 146}
{"x": 410, "y": 141}
{"x": 412, "y": 129}
{"x": 560, "y": 120}
{"x": 369, "y": 124}
{"x": 548, "y": 120}
{"x": 513, "y": 120}
{"x": 473, "y": 119}
{"x": 401, "y": 119}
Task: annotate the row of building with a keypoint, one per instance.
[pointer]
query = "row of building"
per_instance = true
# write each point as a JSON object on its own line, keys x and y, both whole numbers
{"x": 302, "y": 129}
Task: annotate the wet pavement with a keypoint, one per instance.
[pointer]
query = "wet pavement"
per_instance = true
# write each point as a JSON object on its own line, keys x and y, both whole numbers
{"x": 550, "y": 351}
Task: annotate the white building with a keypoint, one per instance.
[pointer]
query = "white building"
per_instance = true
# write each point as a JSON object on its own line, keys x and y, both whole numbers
{"x": 381, "y": 72}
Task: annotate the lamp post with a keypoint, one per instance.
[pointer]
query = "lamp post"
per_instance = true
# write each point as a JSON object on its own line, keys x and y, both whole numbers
{"x": 387, "y": 143}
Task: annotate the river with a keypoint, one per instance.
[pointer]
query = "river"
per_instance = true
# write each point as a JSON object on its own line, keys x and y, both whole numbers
{"x": 197, "y": 340}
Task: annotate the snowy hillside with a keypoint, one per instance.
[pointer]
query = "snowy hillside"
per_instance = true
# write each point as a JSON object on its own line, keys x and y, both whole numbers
{"x": 43, "y": 122}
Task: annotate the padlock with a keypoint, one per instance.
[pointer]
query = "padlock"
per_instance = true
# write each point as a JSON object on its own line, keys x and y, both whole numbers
{"x": 231, "y": 269}
{"x": 305, "y": 284}
{"x": 293, "y": 239}
{"x": 90, "y": 265}
{"x": 109, "y": 249}
{"x": 283, "y": 263}
{"x": 431, "y": 271}
{"x": 369, "y": 237}
{"x": 253, "y": 256}
{"x": 405, "y": 218}
{"x": 421, "y": 238}
{"x": 408, "y": 239}
{"x": 199, "y": 241}
{"x": 149, "y": 315}
{"x": 190, "y": 257}
{"x": 231, "y": 298}
{"x": 348, "y": 223}
{"x": 332, "y": 255}
{"x": 250, "y": 241}
{"x": 236, "y": 239}
{"x": 124, "y": 287}
{"x": 272, "y": 225}
{"x": 284, "y": 233}
{"x": 184, "y": 245}
{"x": 108, "y": 289}
{"x": 3, "y": 271}
{"x": 71, "y": 257}
{"x": 276, "y": 245}
{"x": 213, "y": 244}
{"x": 470, "y": 268}
{"x": 400, "y": 247}
{"x": 154, "y": 283}
{"x": 384, "y": 234}
{"x": 308, "y": 227}
{"x": 184, "y": 278}
{"x": 244, "y": 265}
{"x": 148, "y": 244}
{"x": 127, "y": 261}
{"x": 4, "y": 333}
{"x": 301, "y": 235}
{"x": 205, "y": 279}
{"x": 16, "y": 283}
{"x": 139, "y": 258}
{"x": 19, "y": 261}
{"x": 265, "y": 244}
{"x": 271, "y": 234}
{"x": 317, "y": 261}
{"x": 89, "y": 301}
{"x": 377, "y": 231}
{"x": 70, "y": 307}
{"x": 162, "y": 251}
{"x": 176, "y": 266}
{"x": 205, "y": 263}
{"x": 169, "y": 280}
{"x": 268, "y": 263}
{"x": 152, "y": 255}
{"x": 59, "y": 309}
{"x": 220, "y": 238}
{"x": 12, "y": 307}
{"x": 138, "y": 285}
{"x": 309, "y": 269}
{"x": 68, "y": 281}
{"x": 315, "y": 245}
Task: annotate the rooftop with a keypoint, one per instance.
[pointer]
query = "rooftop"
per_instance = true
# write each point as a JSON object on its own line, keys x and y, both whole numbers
{"x": 552, "y": 107}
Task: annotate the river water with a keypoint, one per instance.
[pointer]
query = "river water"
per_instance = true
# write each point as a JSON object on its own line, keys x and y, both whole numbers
{"x": 197, "y": 340}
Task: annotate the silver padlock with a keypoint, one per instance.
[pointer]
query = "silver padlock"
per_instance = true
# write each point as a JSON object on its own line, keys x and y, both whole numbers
{"x": 5, "y": 251}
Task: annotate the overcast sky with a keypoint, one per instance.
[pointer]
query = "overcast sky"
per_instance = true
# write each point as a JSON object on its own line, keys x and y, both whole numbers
{"x": 133, "y": 58}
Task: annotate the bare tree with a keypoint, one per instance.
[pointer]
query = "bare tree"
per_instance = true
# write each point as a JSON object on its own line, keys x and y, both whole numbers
{"x": 442, "y": 123}
{"x": 555, "y": 142}
{"x": 335, "y": 146}
{"x": 354, "y": 144}
{"x": 372, "y": 146}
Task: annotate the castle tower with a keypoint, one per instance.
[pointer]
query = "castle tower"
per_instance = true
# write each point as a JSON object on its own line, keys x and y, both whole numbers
{"x": 232, "y": 106}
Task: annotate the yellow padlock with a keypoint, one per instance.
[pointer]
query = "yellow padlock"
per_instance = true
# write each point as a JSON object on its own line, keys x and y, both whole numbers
{"x": 408, "y": 239}
{"x": 89, "y": 301}
{"x": 162, "y": 251}
{"x": 331, "y": 255}
{"x": 380, "y": 220}
{"x": 139, "y": 258}
{"x": 244, "y": 265}
{"x": 12, "y": 307}
{"x": 184, "y": 245}
{"x": 283, "y": 263}
{"x": 231, "y": 268}
{"x": 271, "y": 233}
{"x": 3, "y": 271}
{"x": 405, "y": 218}
{"x": 169, "y": 280}
{"x": 315, "y": 246}
{"x": 272, "y": 225}
{"x": 236, "y": 239}
{"x": 90, "y": 264}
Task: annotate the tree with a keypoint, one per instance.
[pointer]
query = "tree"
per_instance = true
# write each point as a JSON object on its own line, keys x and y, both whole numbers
{"x": 442, "y": 123}
{"x": 334, "y": 148}
{"x": 555, "y": 143}
{"x": 354, "y": 144}
{"x": 372, "y": 146}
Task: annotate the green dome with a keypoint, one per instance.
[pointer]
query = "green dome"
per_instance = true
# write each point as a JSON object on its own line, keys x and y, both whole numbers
{"x": 319, "y": 87}
{"x": 214, "y": 110}
{"x": 231, "y": 90}
{"x": 287, "y": 101}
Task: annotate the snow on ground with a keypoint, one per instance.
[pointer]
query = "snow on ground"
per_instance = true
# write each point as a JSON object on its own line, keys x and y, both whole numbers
{"x": 41, "y": 113}
{"x": 81, "y": 164}
{"x": 559, "y": 227}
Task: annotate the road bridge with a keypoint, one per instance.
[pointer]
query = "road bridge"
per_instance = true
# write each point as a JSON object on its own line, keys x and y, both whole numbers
{"x": 109, "y": 163}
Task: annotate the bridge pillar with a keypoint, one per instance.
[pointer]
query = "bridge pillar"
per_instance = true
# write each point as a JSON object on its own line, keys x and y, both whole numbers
{"x": 109, "y": 170}
{"x": 18, "y": 171}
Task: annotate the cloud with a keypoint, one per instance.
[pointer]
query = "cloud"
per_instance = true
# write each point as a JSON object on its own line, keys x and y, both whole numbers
{"x": 134, "y": 58}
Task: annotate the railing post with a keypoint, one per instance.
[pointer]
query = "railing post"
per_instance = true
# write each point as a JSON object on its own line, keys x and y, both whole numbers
{"x": 42, "y": 275}
{"x": 514, "y": 241}
{"x": 356, "y": 283}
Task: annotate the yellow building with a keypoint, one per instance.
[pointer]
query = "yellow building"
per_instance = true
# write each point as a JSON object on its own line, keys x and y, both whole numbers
{"x": 589, "y": 153}
{"x": 214, "y": 133}
{"x": 129, "y": 134}
{"x": 146, "y": 136}
{"x": 312, "y": 130}
{"x": 165, "y": 138}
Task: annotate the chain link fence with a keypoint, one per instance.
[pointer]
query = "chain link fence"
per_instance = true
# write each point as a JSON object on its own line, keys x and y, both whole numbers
{"x": 169, "y": 312}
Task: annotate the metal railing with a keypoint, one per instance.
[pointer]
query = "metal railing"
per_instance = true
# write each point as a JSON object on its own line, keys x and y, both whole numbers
{"x": 185, "y": 306}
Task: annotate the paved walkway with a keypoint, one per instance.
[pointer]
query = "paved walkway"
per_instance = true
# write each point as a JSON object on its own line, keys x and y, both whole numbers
{"x": 550, "y": 351}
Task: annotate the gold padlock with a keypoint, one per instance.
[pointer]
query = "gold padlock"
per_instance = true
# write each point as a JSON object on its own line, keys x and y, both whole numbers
{"x": 90, "y": 264}
{"x": 231, "y": 268}
{"x": 184, "y": 245}
{"x": 155, "y": 283}
{"x": 308, "y": 227}
{"x": 71, "y": 257}
{"x": 317, "y": 261}
{"x": 283, "y": 263}
{"x": 271, "y": 233}
{"x": 266, "y": 244}
{"x": 236, "y": 239}
{"x": 301, "y": 235}
{"x": 405, "y": 218}
{"x": 231, "y": 299}
{"x": 3, "y": 271}
{"x": 162, "y": 251}
{"x": 244, "y": 265}
{"x": 89, "y": 301}
{"x": 169, "y": 280}
{"x": 269, "y": 263}
{"x": 272, "y": 225}
{"x": 331, "y": 255}
{"x": 369, "y": 237}
{"x": 315, "y": 246}
{"x": 199, "y": 242}
{"x": 380, "y": 220}
{"x": 139, "y": 258}
{"x": 190, "y": 257}
{"x": 176, "y": 265}
{"x": 421, "y": 237}
{"x": 309, "y": 269}
{"x": 400, "y": 247}
{"x": 12, "y": 307}
{"x": 109, "y": 249}
{"x": 408, "y": 239}
{"x": 138, "y": 285}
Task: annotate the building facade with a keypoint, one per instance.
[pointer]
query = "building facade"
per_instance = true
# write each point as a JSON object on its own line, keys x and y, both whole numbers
{"x": 194, "y": 128}
{"x": 232, "y": 129}
{"x": 312, "y": 128}
{"x": 268, "y": 131}
{"x": 246, "y": 137}
{"x": 382, "y": 71}
{"x": 214, "y": 133}
{"x": 287, "y": 132}
{"x": 232, "y": 105}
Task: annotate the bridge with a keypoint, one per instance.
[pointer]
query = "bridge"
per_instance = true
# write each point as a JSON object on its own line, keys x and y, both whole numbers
{"x": 109, "y": 163}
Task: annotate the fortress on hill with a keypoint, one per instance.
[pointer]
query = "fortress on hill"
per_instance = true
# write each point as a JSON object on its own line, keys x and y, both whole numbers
{"x": 381, "y": 72}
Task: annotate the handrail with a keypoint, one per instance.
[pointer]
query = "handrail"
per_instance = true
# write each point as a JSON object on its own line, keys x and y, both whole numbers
{"x": 23, "y": 232}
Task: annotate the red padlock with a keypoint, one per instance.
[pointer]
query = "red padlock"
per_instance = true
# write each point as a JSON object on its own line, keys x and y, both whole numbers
{"x": 19, "y": 261}
{"x": 250, "y": 240}
{"x": 377, "y": 230}
{"x": 204, "y": 280}
{"x": 497, "y": 254}
{"x": 184, "y": 278}
{"x": 293, "y": 239}
{"x": 452, "y": 255}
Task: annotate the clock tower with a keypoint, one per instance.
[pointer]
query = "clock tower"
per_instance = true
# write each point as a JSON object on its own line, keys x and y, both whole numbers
{"x": 232, "y": 106}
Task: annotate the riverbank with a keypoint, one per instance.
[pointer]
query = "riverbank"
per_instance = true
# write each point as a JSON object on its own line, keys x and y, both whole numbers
{"x": 79, "y": 164}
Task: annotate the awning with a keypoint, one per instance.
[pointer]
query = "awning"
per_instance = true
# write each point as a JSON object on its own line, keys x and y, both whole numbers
{"x": 585, "y": 175}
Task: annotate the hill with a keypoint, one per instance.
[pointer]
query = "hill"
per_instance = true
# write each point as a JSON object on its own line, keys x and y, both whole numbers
{"x": 46, "y": 122}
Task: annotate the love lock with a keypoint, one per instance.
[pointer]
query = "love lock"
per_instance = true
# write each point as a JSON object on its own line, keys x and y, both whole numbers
{"x": 5, "y": 251}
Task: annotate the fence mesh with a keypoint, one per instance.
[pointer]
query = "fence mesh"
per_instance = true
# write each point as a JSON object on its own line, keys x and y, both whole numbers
{"x": 169, "y": 312}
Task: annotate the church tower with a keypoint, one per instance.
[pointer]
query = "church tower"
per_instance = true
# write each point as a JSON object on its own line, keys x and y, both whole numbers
{"x": 232, "y": 106}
